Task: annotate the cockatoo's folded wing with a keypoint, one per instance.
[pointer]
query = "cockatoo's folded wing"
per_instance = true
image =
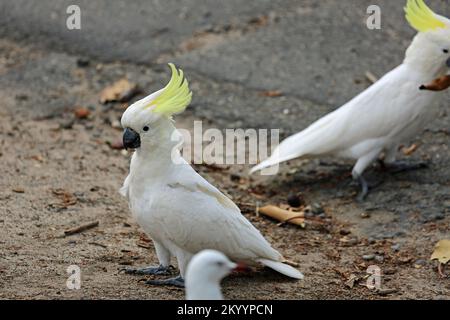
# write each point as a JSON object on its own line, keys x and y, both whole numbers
{"x": 202, "y": 217}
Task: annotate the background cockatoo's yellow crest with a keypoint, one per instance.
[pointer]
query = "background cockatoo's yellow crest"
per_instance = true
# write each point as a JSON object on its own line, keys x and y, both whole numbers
{"x": 421, "y": 18}
{"x": 175, "y": 97}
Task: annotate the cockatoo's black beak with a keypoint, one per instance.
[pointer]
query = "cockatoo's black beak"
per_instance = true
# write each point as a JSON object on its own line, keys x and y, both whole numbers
{"x": 131, "y": 139}
{"x": 448, "y": 62}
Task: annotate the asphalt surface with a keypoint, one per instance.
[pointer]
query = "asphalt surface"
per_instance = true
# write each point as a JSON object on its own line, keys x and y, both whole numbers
{"x": 312, "y": 51}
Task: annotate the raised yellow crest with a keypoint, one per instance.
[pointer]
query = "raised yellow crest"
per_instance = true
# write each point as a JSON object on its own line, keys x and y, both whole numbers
{"x": 175, "y": 96}
{"x": 420, "y": 16}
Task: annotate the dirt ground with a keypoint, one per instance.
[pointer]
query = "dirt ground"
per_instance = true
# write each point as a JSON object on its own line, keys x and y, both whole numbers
{"x": 60, "y": 172}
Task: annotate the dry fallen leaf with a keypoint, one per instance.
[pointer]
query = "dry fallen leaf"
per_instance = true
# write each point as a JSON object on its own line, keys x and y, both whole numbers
{"x": 410, "y": 150}
{"x": 283, "y": 215}
{"x": 82, "y": 112}
{"x": 121, "y": 91}
{"x": 67, "y": 198}
{"x": 351, "y": 281}
{"x": 439, "y": 84}
{"x": 38, "y": 158}
{"x": 259, "y": 21}
{"x": 442, "y": 251}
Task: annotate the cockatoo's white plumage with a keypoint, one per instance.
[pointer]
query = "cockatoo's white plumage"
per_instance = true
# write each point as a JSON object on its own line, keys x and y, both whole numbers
{"x": 390, "y": 112}
{"x": 182, "y": 212}
{"x": 204, "y": 273}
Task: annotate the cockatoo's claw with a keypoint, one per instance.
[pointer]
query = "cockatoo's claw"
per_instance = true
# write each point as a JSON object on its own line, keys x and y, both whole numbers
{"x": 176, "y": 282}
{"x": 159, "y": 270}
{"x": 364, "y": 189}
{"x": 403, "y": 166}
{"x": 441, "y": 272}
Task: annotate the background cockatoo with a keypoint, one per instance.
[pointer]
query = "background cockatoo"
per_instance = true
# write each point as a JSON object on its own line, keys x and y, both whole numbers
{"x": 204, "y": 273}
{"x": 175, "y": 206}
{"x": 387, "y": 114}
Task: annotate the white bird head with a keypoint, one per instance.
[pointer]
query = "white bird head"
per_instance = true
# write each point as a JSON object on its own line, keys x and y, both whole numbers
{"x": 204, "y": 273}
{"x": 430, "y": 49}
{"x": 146, "y": 121}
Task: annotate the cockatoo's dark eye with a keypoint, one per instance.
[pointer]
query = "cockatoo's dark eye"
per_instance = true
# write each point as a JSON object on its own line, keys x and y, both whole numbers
{"x": 220, "y": 264}
{"x": 445, "y": 50}
{"x": 146, "y": 128}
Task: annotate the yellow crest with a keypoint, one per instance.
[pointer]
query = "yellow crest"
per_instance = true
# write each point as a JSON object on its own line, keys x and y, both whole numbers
{"x": 175, "y": 96}
{"x": 420, "y": 17}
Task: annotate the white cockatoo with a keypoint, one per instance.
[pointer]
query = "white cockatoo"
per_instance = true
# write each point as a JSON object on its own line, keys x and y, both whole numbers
{"x": 204, "y": 273}
{"x": 175, "y": 206}
{"x": 389, "y": 113}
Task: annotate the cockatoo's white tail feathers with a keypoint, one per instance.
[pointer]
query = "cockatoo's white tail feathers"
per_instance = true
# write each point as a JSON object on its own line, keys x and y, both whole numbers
{"x": 319, "y": 138}
{"x": 282, "y": 268}
{"x": 265, "y": 164}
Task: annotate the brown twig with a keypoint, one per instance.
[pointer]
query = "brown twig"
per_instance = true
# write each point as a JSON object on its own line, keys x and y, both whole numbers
{"x": 301, "y": 215}
{"x": 81, "y": 228}
{"x": 371, "y": 77}
{"x": 98, "y": 244}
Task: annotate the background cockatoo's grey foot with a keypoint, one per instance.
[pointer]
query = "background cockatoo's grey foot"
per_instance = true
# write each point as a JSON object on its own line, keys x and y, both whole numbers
{"x": 402, "y": 166}
{"x": 364, "y": 188}
{"x": 176, "y": 282}
{"x": 158, "y": 270}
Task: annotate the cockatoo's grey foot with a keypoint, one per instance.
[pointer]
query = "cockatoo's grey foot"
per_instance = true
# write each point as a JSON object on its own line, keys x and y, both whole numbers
{"x": 159, "y": 270}
{"x": 403, "y": 166}
{"x": 364, "y": 188}
{"x": 176, "y": 282}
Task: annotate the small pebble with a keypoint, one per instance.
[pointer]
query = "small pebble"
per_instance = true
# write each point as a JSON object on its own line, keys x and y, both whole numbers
{"x": 294, "y": 200}
{"x": 116, "y": 124}
{"x": 316, "y": 208}
{"x": 235, "y": 177}
{"x": 368, "y": 257}
{"x": 82, "y": 62}
{"x": 21, "y": 96}
{"x": 67, "y": 123}
{"x": 420, "y": 262}
{"x": 384, "y": 292}
{"x": 116, "y": 144}
{"x": 395, "y": 247}
{"x": 435, "y": 216}
{"x": 389, "y": 271}
{"x": 379, "y": 259}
